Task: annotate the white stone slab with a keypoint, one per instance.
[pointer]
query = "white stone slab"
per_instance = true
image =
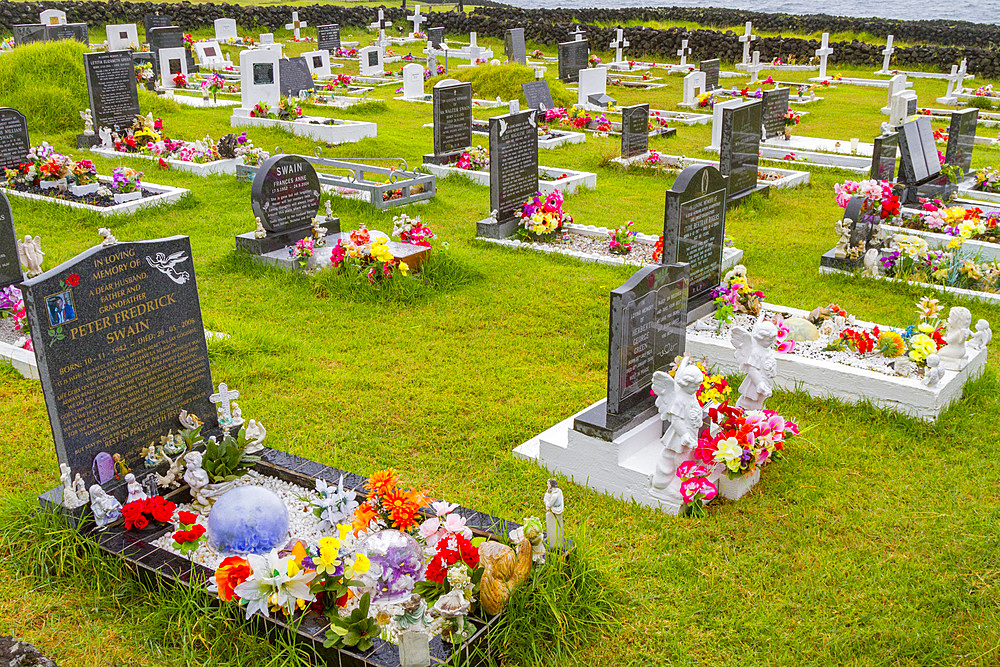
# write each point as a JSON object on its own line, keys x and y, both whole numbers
{"x": 345, "y": 131}
{"x": 164, "y": 195}
{"x": 788, "y": 178}
{"x": 197, "y": 168}
{"x": 172, "y": 62}
{"x": 199, "y": 101}
{"x": 225, "y": 30}
{"x": 122, "y": 37}
{"x": 23, "y": 361}
{"x": 569, "y": 185}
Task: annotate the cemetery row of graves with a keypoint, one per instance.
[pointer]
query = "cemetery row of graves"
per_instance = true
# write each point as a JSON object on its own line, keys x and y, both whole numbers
{"x": 406, "y": 348}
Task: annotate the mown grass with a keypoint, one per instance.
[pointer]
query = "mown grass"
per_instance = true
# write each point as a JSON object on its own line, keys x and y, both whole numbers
{"x": 872, "y": 543}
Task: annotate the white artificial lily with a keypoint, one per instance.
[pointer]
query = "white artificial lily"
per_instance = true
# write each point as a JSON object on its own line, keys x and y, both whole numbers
{"x": 270, "y": 582}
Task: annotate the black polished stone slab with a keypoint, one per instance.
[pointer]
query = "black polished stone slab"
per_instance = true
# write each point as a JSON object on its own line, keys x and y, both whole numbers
{"x": 598, "y": 423}
{"x": 78, "y": 32}
{"x": 962, "y": 139}
{"x": 14, "y": 140}
{"x": 845, "y": 264}
{"x": 711, "y": 69}
{"x": 884, "y": 157}
{"x": 294, "y": 76}
{"x": 537, "y": 95}
{"x": 514, "y": 46}
{"x": 739, "y": 151}
{"x": 775, "y": 106}
{"x": 513, "y": 163}
{"x": 157, "y": 20}
{"x": 111, "y": 85}
{"x": 452, "y": 118}
{"x": 285, "y": 194}
{"x": 328, "y": 37}
{"x": 26, "y": 33}
{"x": 919, "y": 159}
{"x": 436, "y": 37}
{"x": 573, "y": 57}
{"x": 635, "y": 130}
{"x": 10, "y": 265}
{"x": 165, "y": 37}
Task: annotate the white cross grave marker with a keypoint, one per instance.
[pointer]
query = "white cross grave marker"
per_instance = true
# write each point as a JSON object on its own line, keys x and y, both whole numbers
{"x": 747, "y": 37}
{"x": 824, "y": 52}
{"x": 578, "y": 34}
{"x": 417, "y": 19}
{"x": 887, "y": 53}
{"x": 755, "y": 67}
{"x": 954, "y": 86}
{"x": 684, "y": 52}
{"x": 381, "y": 24}
{"x": 223, "y": 398}
{"x": 295, "y": 25}
{"x": 619, "y": 45}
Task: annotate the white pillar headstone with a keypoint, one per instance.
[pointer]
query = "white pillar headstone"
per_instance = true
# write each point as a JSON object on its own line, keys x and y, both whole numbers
{"x": 295, "y": 25}
{"x": 318, "y": 63}
{"x": 824, "y": 51}
{"x": 260, "y": 79}
{"x": 592, "y": 82}
{"x": 897, "y": 84}
{"x": 747, "y": 37}
{"x": 172, "y": 62}
{"x": 225, "y": 30}
{"x": 694, "y": 85}
{"x": 413, "y": 81}
{"x": 755, "y": 67}
{"x": 368, "y": 65}
{"x": 122, "y": 37}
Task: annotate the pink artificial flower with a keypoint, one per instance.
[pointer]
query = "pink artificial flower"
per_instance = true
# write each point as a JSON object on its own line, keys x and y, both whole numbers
{"x": 692, "y": 469}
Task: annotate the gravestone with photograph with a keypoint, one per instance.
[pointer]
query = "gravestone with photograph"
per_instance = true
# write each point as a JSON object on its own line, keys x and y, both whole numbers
{"x": 319, "y": 63}
{"x": 452, "y": 120}
{"x": 635, "y": 130}
{"x": 573, "y": 57}
{"x": 537, "y": 95}
{"x": 775, "y": 106}
{"x": 370, "y": 62}
{"x": 647, "y": 332}
{"x": 121, "y": 351}
{"x": 328, "y": 37}
{"x": 739, "y": 149}
{"x": 694, "y": 232}
{"x": 122, "y": 36}
{"x": 14, "y": 140}
{"x": 285, "y": 196}
{"x": 294, "y": 76}
{"x": 711, "y": 69}
{"x": 259, "y": 78}
{"x": 513, "y": 171}
{"x": 10, "y": 265}
{"x": 111, "y": 85}
{"x": 884, "y": 157}
{"x": 514, "y": 46}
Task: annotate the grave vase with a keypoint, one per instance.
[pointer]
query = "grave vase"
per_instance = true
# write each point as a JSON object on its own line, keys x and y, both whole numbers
{"x": 53, "y": 185}
{"x": 84, "y": 190}
{"x": 122, "y": 197}
{"x": 788, "y": 133}
{"x": 734, "y": 489}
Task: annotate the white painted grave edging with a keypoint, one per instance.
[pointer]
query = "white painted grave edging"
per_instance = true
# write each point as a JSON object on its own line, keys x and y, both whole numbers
{"x": 986, "y": 251}
{"x": 789, "y": 178}
{"x": 972, "y": 295}
{"x": 197, "y": 168}
{"x": 345, "y": 131}
{"x": 164, "y": 195}
{"x": 569, "y": 185}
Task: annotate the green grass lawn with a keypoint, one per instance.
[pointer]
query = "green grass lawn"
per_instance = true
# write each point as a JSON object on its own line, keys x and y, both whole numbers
{"x": 874, "y": 542}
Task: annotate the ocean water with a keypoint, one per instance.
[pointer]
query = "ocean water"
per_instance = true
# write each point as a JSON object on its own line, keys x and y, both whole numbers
{"x": 979, "y": 11}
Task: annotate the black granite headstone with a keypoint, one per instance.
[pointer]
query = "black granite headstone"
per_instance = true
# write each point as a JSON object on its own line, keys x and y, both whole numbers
{"x": 114, "y": 96}
{"x": 962, "y": 139}
{"x": 121, "y": 349}
{"x": 436, "y": 37}
{"x": 452, "y": 118}
{"x": 635, "y": 130}
{"x": 167, "y": 37}
{"x": 775, "y": 107}
{"x": 514, "y": 46}
{"x": 884, "y": 157}
{"x": 294, "y": 75}
{"x": 537, "y": 95}
{"x": 513, "y": 162}
{"x": 10, "y": 265}
{"x": 150, "y": 21}
{"x": 694, "y": 229}
{"x": 373, "y": 58}
{"x": 26, "y": 33}
{"x": 739, "y": 151}
{"x": 573, "y": 57}
{"x": 328, "y": 37}
{"x": 711, "y": 69}
{"x": 285, "y": 193}
{"x": 14, "y": 141}
{"x": 72, "y": 31}
{"x": 863, "y": 227}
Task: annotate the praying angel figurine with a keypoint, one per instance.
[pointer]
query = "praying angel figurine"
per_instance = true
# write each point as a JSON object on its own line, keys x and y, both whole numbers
{"x": 29, "y": 251}
{"x": 755, "y": 357}
{"x": 677, "y": 401}
{"x": 88, "y": 122}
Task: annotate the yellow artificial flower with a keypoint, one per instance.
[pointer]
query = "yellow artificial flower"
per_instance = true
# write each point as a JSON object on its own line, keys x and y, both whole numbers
{"x": 404, "y": 268}
{"x": 921, "y": 346}
{"x": 928, "y": 307}
{"x": 343, "y": 530}
{"x": 360, "y": 565}
{"x": 955, "y": 243}
{"x": 940, "y": 274}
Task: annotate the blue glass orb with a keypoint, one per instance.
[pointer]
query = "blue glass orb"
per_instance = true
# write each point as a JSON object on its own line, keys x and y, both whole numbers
{"x": 247, "y": 520}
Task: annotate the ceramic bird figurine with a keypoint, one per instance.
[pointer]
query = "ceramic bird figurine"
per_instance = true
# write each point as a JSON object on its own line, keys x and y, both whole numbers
{"x": 503, "y": 571}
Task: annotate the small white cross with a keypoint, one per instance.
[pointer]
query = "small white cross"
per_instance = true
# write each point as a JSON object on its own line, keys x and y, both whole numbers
{"x": 953, "y": 79}
{"x": 472, "y": 41}
{"x": 222, "y": 398}
{"x": 746, "y": 38}
{"x": 578, "y": 34}
{"x": 684, "y": 52}
{"x": 887, "y": 52}
{"x": 295, "y": 25}
{"x": 754, "y": 67}
{"x": 380, "y": 25}
{"x": 823, "y": 52}
{"x": 619, "y": 45}
{"x": 417, "y": 19}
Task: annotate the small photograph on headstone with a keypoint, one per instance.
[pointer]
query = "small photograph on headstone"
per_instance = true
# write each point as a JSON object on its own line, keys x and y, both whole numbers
{"x": 263, "y": 74}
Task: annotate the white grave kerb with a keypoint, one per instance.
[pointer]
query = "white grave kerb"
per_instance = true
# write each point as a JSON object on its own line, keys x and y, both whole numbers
{"x": 824, "y": 52}
{"x": 417, "y": 20}
{"x": 225, "y": 30}
{"x": 172, "y": 62}
{"x": 295, "y": 25}
{"x": 259, "y": 78}
{"x": 122, "y": 37}
{"x": 684, "y": 52}
{"x": 413, "y": 81}
{"x": 887, "y": 54}
{"x": 694, "y": 85}
{"x": 318, "y": 63}
{"x": 746, "y": 38}
{"x": 52, "y": 17}
{"x": 578, "y": 34}
{"x": 619, "y": 44}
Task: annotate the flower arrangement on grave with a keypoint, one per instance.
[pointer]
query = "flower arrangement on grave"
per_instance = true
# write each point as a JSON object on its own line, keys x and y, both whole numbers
{"x": 578, "y": 117}
{"x": 735, "y": 296}
{"x": 593, "y": 60}
{"x": 261, "y": 110}
{"x": 988, "y": 179}
{"x": 12, "y": 306}
{"x": 7, "y": 44}
{"x": 143, "y": 71}
{"x": 603, "y": 125}
{"x": 411, "y": 230}
{"x": 916, "y": 341}
{"x": 342, "y": 81}
{"x": 743, "y": 441}
{"x": 213, "y": 84}
{"x": 345, "y": 53}
{"x": 476, "y": 158}
{"x": 622, "y": 239}
{"x": 189, "y": 534}
{"x": 84, "y": 172}
{"x": 125, "y": 179}
{"x": 557, "y": 114}
{"x": 302, "y": 251}
{"x": 55, "y": 167}
{"x": 880, "y": 197}
{"x": 542, "y": 216}
{"x": 289, "y": 108}
{"x": 180, "y": 80}
{"x": 792, "y": 118}
{"x": 910, "y": 258}
{"x": 706, "y": 100}
{"x": 658, "y": 250}
{"x": 985, "y": 91}
{"x": 250, "y": 155}
{"x": 653, "y": 158}
{"x": 148, "y": 512}
{"x": 367, "y": 257}
{"x": 696, "y": 489}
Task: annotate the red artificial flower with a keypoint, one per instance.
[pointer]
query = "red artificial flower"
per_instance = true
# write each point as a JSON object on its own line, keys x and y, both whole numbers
{"x": 72, "y": 280}
{"x": 187, "y": 518}
{"x": 232, "y": 572}
{"x": 193, "y": 535}
{"x": 163, "y": 164}
{"x": 161, "y": 510}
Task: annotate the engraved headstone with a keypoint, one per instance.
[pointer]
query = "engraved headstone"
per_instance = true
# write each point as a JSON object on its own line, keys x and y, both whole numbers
{"x": 370, "y": 61}
{"x": 111, "y": 85}
{"x": 918, "y": 152}
{"x": 962, "y": 139}
{"x": 294, "y": 76}
{"x": 120, "y": 345}
{"x": 739, "y": 150}
{"x": 328, "y": 37}
{"x": 884, "y": 157}
{"x": 452, "y": 117}
{"x": 73, "y": 31}
{"x": 573, "y": 58}
{"x": 150, "y": 21}
{"x": 166, "y": 37}
{"x": 10, "y": 265}
{"x": 318, "y": 62}
{"x": 52, "y": 17}
{"x": 436, "y": 37}
{"x": 513, "y": 163}
{"x": 259, "y": 78}
{"x": 635, "y": 130}
{"x": 413, "y": 81}
{"x": 14, "y": 141}
{"x": 225, "y": 30}
{"x": 285, "y": 193}
{"x": 514, "y": 46}
{"x": 711, "y": 69}
{"x": 26, "y": 33}
{"x": 694, "y": 231}
{"x": 537, "y": 95}
{"x": 775, "y": 106}
{"x": 123, "y": 36}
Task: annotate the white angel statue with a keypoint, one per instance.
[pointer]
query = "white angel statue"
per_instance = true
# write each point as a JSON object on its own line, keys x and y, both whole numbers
{"x": 677, "y": 401}
{"x": 755, "y": 357}
{"x": 88, "y": 122}
{"x": 29, "y": 251}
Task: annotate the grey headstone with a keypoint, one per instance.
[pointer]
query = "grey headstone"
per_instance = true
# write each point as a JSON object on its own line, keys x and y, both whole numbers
{"x": 514, "y": 46}
{"x": 10, "y": 265}
{"x": 635, "y": 130}
{"x": 166, "y": 37}
{"x": 328, "y": 37}
{"x": 72, "y": 31}
{"x": 294, "y": 75}
{"x": 150, "y": 21}
{"x": 573, "y": 57}
{"x": 452, "y": 118}
{"x": 436, "y": 37}
{"x": 114, "y": 97}
{"x": 775, "y": 107}
{"x": 14, "y": 140}
{"x": 26, "y": 33}
{"x": 962, "y": 139}
{"x": 739, "y": 151}
{"x": 884, "y": 157}
{"x": 513, "y": 162}
{"x": 711, "y": 69}
{"x": 537, "y": 95}
{"x": 918, "y": 152}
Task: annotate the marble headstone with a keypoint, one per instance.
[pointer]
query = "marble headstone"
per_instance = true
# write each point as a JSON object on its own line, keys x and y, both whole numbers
{"x": 122, "y": 36}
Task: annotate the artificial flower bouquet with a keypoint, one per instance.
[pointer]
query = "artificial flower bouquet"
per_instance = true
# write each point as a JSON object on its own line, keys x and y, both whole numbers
{"x": 302, "y": 251}
{"x": 476, "y": 158}
{"x": 622, "y": 239}
{"x": 84, "y": 172}
{"x": 12, "y": 306}
{"x": 151, "y": 512}
{"x": 988, "y": 179}
{"x": 792, "y": 118}
{"x": 366, "y": 256}
{"x": 734, "y": 295}
{"x": 411, "y": 230}
{"x": 125, "y": 180}
{"x": 542, "y": 216}
{"x": 880, "y": 198}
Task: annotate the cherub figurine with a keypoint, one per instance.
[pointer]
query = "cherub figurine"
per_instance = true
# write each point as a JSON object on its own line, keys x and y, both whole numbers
{"x": 318, "y": 232}
{"x": 959, "y": 323}
{"x": 982, "y": 337}
{"x": 843, "y": 229}
{"x": 107, "y": 143}
{"x": 755, "y": 357}
{"x": 677, "y": 401}
{"x": 328, "y": 208}
{"x": 255, "y": 435}
{"x": 195, "y": 475}
{"x": 871, "y": 262}
{"x": 134, "y": 488}
{"x": 259, "y": 232}
{"x": 933, "y": 373}
{"x": 107, "y": 238}
{"x": 70, "y": 499}
{"x": 106, "y": 508}
{"x": 88, "y": 122}
{"x": 29, "y": 251}
{"x": 80, "y": 488}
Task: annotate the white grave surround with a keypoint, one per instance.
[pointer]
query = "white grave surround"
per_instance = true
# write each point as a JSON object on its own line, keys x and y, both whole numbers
{"x": 162, "y": 195}
{"x": 987, "y": 252}
{"x": 786, "y": 178}
{"x": 23, "y": 361}
{"x": 266, "y": 38}
{"x": 177, "y": 57}
{"x": 815, "y": 159}
{"x": 211, "y": 56}
{"x": 471, "y": 51}
{"x": 593, "y": 81}
{"x": 341, "y": 132}
{"x": 694, "y": 85}
{"x": 225, "y": 31}
{"x": 717, "y": 121}
{"x": 827, "y": 379}
{"x": 191, "y": 99}
{"x": 122, "y": 37}
{"x": 413, "y": 81}
{"x": 559, "y": 137}
{"x": 319, "y": 63}
{"x": 198, "y": 169}
{"x": 52, "y": 17}
{"x": 260, "y": 65}
{"x": 364, "y": 69}
{"x": 574, "y": 181}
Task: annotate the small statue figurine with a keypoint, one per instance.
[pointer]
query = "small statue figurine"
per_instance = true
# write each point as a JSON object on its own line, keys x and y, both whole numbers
{"x": 953, "y": 354}
{"x": 982, "y": 337}
{"x": 194, "y": 474}
{"x": 259, "y": 232}
{"x": 328, "y": 208}
{"x": 677, "y": 401}
{"x": 255, "y": 434}
{"x": 553, "y": 514}
{"x": 172, "y": 477}
{"x": 189, "y": 420}
{"x": 755, "y": 357}
{"x": 70, "y": 499}
{"x": 933, "y": 373}
{"x": 843, "y": 229}
{"x": 134, "y": 488}
{"x": 80, "y": 488}
{"x": 88, "y": 123}
{"x": 318, "y": 232}
{"x": 106, "y": 508}
{"x": 107, "y": 238}
{"x": 29, "y": 251}
{"x": 871, "y": 262}
{"x": 107, "y": 143}
{"x": 120, "y": 468}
